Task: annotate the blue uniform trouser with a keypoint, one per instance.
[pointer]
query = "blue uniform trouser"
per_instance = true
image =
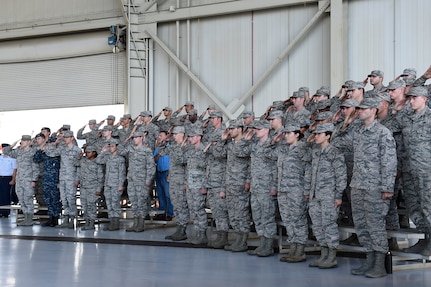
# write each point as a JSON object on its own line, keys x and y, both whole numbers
{"x": 162, "y": 188}
{"x": 51, "y": 196}
{"x": 5, "y": 193}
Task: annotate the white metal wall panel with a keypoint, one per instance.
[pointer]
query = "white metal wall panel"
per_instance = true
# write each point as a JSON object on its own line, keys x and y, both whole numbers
{"x": 230, "y": 53}
{"x": 388, "y": 35}
{"x": 73, "y": 82}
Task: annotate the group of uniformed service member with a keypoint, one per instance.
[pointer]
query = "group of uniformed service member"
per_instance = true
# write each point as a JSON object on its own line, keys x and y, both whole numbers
{"x": 303, "y": 160}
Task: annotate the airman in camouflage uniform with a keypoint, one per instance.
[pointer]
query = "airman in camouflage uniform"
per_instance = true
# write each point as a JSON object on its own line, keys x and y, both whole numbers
{"x": 374, "y": 171}
{"x": 293, "y": 178}
{"x": 177, "y": 169}
{"x": 237, "y": 184}
{"x": 26, "y": 177}
{"x": 263, "y": 185}
{"x": 146, "y": 126}
{"x": 195, "y": 181}
{"x": 297, "y": 112}
{"x": 68, "y": 153}
{"x": 140, "y": 176}
{"x": 215, "y": 181}
{"x": 115, "y": 175}
{"x": 90, "y": 137}
{"x": 90, "y": 176}
{"x": 328, "y": 180}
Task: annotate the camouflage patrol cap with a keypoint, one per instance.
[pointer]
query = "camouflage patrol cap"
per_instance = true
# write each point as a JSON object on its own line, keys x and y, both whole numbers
{"x": 396, "y": 84}
{"x": 193, "y": 112}
{"x": 178, "y": 130}
{"x": 261, "y": 124}
{"x": 111, "y": 117}
{"x": 294, "y": 94}
{"x": 355, "y": 85}
{"x": 369, "y": 103}
{"x": 90, "y": 148}
{"x": 247, "y": 114}
{"x": 113, "y": 142}
{"x": 68, "y": 134}
{"x": 291, "y": 128}
{"x": 211, "y": 107}
{"x": 195, "y": 132}
{"x": 418, "y": 91}
{"x": 92, "y": 122}
{"x": 65, "y": 127}
{"x": 304, "y": 122}
{"x": 275, "y": 115}
{"x": 146, "y": 114}
{"x": 26, "y": 138}
{"x": 324, "y": 104}
{"x": 216, "y": 114}
{"x": 298, "y": 94}
{"x": 383, "y": 96}
{"x": 349, "y": 103}
{"x": 138, "y": 134}
{"x": 127, "y": 116}
{"x": 377, "y": 73}
{"x": 347, "y": 84}
{"x": 323, "y": 91}
{"x": 236, "y": 123}
{"x": 277, "y": 104}
{"x": 107, "y": 128}
{"x": 304, "y": 89}
{"x": 167, "y": 109}
{"x": 189, "y": 103}
{"x": 409, "y": 72}
{"x": 323, "y": 128}
{"x": 324, "y": 116}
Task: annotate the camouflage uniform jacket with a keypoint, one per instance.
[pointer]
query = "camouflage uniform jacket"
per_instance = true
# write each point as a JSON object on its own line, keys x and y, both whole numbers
{"x": 90, "y": 173}
{"x": 27, "y": 169}
{"x": 142, "y": 168}
{"x": 196, "y": 166}
{"x": 115, "y": 168}
{"x": 68, "y": 157}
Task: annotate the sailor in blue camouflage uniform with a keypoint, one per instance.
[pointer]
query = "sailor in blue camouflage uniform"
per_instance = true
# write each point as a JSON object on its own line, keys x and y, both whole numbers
{"x": 374, "y": 171}
{"x": 50, "y": 180}
{"x": 263, "y": 185}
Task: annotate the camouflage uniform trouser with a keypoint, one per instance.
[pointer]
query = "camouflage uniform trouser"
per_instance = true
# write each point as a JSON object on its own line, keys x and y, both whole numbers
{"x": 179, "y": 201}
{"x": 139, "y": 196}
{"x": 25, "y": 194}
{"x": 196, "y": 203}
{"x": 324, "y": 214}
{"x": 293, "y": 211}
{"x": 423, "y": 182}
{"x": 218, "y": 208}
{"x": 263, "y": 213}
{"x": 238, "y": 205}
{"x": 51, "y": 195}
{"x": 68, "y": 197}
{"x": 413, "y": 201}
{"x": 369, "y": 213}
{"x": 88, "y": 201}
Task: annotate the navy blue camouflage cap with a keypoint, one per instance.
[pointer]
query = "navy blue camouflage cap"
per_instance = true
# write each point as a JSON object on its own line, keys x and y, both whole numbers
{"x": 418, "y": 91}
{"x": 275, "y": 115}
{"x": 395, "y": 84}
{"x": 369, "y": 103}
{"x": 349, "y": 103}
{"x": 323, "y": 128}
{"x": 376, "y": 73}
